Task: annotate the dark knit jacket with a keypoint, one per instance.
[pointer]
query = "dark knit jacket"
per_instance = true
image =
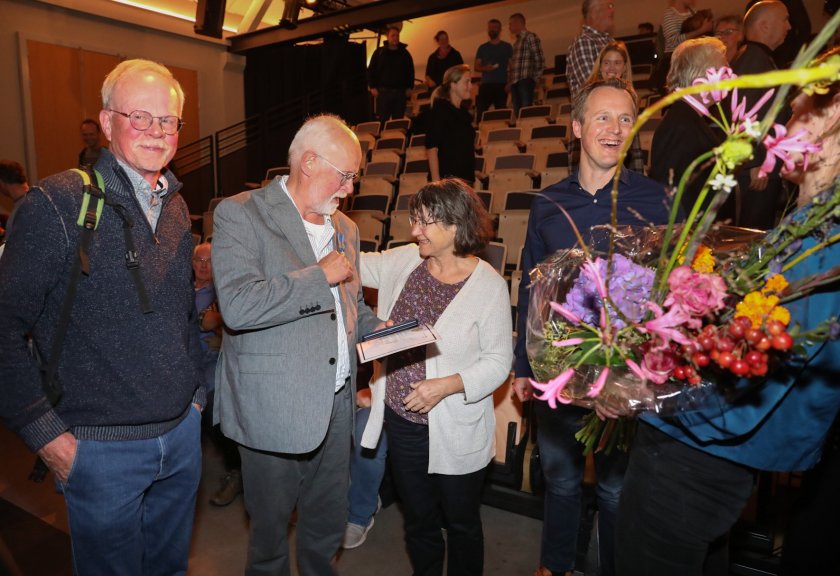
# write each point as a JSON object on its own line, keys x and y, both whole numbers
{"x": 125, "y": 375}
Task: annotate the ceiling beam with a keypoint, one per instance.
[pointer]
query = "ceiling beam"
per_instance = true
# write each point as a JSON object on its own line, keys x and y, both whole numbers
{"x": 254, "y": 14}
{"x": 369, "y": 15}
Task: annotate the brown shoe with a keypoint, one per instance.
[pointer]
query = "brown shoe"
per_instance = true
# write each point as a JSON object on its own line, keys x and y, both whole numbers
{"x": 230, "y": 488}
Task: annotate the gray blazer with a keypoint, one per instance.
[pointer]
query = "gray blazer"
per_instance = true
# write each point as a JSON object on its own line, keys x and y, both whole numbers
{"x": 275, "y": 379}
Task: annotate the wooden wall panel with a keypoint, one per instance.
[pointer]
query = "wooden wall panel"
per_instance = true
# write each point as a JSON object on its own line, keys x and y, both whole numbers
{"x": 189, "y": 84}
{"x": 94, "y": 68}
{"x": 66, "y": 86}
{"x": 56, "y": 105}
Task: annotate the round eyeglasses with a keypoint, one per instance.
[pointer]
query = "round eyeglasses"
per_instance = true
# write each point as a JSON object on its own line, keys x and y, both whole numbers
{"x": 142, "y": 120}
{"x": 421, "y": 222}
{"x": 345, "y": 176}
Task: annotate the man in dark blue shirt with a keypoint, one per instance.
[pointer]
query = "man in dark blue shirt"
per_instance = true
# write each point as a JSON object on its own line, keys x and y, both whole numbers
{"x": 491, "y": 60}
{"x": 602, "y": 114}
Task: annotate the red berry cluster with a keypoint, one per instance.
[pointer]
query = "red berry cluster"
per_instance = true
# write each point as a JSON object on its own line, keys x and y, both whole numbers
{"x": 737, "y": 347}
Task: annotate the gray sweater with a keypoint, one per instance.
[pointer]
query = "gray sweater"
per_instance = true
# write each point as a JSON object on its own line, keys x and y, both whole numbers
{"x": 125, "y": 375}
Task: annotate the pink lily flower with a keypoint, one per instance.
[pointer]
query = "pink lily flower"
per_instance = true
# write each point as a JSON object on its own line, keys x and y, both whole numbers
{"x": 567, "y": 342}
{"x": 739, "y": 113}
{"x": 715, "y": 75}
{"x": 781, "y": 146}
{"x": 591, "y": 270}
{"x": 566, "y": 313}
{"x": 599, "y": 383}
{"x": 696, "y": 104}
{"x": 551, "y": 389}
{"x": 644, "y": 374}
{"x": 666, "y": 326}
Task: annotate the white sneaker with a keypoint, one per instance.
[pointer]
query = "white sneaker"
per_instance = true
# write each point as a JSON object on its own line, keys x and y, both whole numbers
{"x": 355, "y": 535}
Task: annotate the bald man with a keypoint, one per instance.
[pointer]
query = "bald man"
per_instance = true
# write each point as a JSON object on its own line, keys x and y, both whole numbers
{"x": 285, "y": 264}
{"x": 765, "y": 27}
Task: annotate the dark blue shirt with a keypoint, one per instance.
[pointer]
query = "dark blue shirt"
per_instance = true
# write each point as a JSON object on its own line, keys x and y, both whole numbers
{"x": 549, "y": 228}
{"x": 500, "y": 54}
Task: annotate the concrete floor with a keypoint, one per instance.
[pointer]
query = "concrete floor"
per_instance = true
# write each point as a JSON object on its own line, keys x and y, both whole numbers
{"x": 220, "y": 535}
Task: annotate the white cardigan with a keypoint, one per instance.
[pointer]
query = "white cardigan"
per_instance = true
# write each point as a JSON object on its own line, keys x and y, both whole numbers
{"x": 475, "y": 342}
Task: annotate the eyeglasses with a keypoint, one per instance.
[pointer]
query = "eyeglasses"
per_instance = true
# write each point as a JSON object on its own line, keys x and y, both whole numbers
{"x": 421, "y": 222}
{"x": 142, "y": 120}
{"x": 345, "y": 176}
{"x": 726, "y": 32}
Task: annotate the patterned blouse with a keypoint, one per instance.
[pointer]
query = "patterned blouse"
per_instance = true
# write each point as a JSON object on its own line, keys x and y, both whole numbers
{"x": 425, "y": 298}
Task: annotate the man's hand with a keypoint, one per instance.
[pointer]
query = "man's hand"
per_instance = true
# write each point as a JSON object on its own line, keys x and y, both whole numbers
{"x": 336, "y": 268}
{"x": 374, "y": 92}
{"x": 522, "y": 389}
{"x": 59, "y": 454}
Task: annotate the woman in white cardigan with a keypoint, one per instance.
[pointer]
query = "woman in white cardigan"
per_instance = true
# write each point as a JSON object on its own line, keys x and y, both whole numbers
{"x": 436, "y": 402}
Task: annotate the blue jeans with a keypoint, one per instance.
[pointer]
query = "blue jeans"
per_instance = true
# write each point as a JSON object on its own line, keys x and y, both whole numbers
{"x": 367, "y": 467}
{"x": 563, "y": 466}
{"x": 522, "y": 94}
{"x": 131, "y": 503}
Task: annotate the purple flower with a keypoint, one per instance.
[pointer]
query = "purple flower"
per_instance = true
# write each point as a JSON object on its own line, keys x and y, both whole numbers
{"x": 782, "y": 147}
{"x": 834, "y": 330}
{"x": 629, "y": 289}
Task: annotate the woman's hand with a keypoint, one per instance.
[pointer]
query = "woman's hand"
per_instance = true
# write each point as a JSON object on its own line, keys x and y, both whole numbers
{"x": 427, "y": 393}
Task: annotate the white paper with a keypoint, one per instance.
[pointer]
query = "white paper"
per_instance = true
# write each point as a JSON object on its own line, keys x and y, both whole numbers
{"x": 387, "y": 345}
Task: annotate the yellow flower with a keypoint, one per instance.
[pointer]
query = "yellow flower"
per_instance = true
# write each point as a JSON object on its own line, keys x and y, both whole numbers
{"x": 759, "y": 307}
{"x": 775, "y": 284}
{"x": 704, "y": 262}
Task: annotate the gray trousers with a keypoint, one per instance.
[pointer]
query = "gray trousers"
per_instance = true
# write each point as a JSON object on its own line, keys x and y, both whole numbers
{"x": 316, "y": 482}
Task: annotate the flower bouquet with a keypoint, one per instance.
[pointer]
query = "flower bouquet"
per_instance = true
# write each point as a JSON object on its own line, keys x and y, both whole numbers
{"x": 662, "y": 318}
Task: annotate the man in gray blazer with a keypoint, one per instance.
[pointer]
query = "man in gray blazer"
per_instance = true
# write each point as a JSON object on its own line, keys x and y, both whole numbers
{"x": 286, "y": 269}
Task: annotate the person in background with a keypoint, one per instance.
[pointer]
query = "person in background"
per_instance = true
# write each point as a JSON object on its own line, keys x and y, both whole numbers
{"x": 691, "y": 475}
{"x": 491, "y": 60}
{"x": 124, "y": 441}
{"x": 728, "y": 29}
{"x": 765, "y": 27}
{"x": 211, "y": 326}
{"x": 436, "y": 401}
{"x": 14, "y": 186}
{"x": 676, "y": 13}
{"x": 441, "y": 60}
{"x": 450, "y": 136}
{"x": 391, "y": 77}
{"x": 602, "y": 114}
{"x": 598, "y": 21}
{"x": 92, "y": 137}
{"x": 285, "y": 264}
{"x": 646, "y": 28}
{"x": 799, "y": 33}
{"x": 526, "y": 64}
{"x": 367, "y": 469}
{"x": 672, "y": 152}
{"x": 614, "y": 62}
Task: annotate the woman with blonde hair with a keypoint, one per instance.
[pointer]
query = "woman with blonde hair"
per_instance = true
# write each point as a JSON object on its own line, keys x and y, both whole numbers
{"x": 613, "y": 62}
{"x": 450, "y": 136}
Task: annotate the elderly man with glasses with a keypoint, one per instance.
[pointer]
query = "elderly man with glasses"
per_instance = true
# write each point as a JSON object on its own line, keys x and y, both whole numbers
{"x": 286, "y": 267}
{"x": 119, "y": 424}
